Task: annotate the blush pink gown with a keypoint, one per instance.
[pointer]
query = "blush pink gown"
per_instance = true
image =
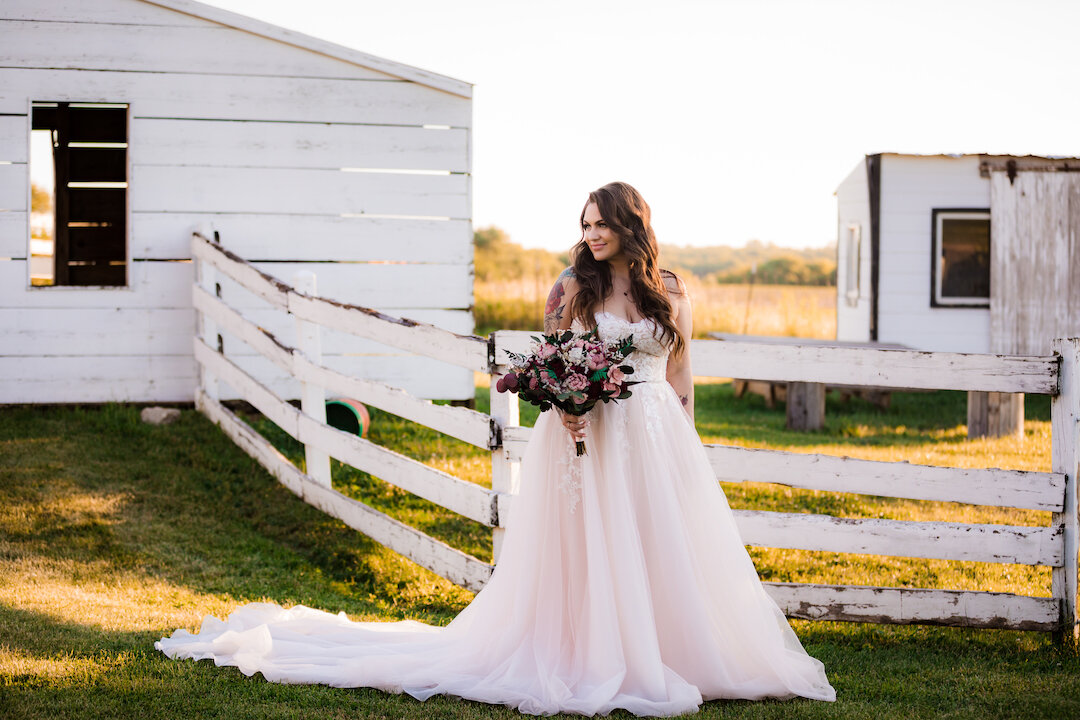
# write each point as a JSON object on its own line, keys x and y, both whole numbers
{"x": 622, "y": 583}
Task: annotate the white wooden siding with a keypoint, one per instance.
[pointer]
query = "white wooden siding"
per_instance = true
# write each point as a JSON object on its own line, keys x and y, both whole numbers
{"x": 304, "y": 237}
{"x": 1035, "y": 265}
{"x": 99, "y": 11}
{"x": 910, "y": 188}
{"x": 227, "y": 143}
{"x": 249, "y": 140}
{"x": 853, "y": 207}
{"x": 163, "y": 49}
{"x": 239, "y": 97}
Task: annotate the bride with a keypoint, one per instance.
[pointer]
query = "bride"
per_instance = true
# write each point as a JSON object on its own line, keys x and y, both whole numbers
{"x": 622, "y": 581}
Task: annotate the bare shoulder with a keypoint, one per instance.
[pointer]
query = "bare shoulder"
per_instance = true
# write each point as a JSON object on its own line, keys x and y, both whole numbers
{"x": 676, "y": 287}
{"x": 556, "y": 315}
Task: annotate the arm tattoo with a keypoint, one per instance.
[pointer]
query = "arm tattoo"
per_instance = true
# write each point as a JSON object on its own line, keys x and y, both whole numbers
{"x": 685, "y": 399}
{"x": 553, "y": 310}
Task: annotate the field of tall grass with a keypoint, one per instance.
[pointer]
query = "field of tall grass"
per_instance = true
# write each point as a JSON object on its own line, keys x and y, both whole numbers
{"x": 787, "y": 310}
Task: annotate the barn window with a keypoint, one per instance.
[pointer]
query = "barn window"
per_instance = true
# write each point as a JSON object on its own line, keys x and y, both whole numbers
{"x": 78, "y": 172}
{"x": 960, "y": 271}
{"x": 853, "y": 241}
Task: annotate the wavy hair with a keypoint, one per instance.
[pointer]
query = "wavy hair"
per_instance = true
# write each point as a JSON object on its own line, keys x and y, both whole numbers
{"x": 628, "y": 216}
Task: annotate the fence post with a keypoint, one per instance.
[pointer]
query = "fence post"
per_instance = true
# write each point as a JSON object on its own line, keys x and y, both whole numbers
{"x": 206, "y": 278}
{"x": 312, "y": 396}
{"x": 505, "y": 411}
{"x": 1065, "y": 458}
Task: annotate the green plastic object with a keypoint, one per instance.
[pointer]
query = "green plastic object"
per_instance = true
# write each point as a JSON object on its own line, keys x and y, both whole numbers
{"x": 348, "y": 415}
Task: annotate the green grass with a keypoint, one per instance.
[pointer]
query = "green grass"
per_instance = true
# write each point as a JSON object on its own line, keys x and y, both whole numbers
{"x": 113, "y": 533}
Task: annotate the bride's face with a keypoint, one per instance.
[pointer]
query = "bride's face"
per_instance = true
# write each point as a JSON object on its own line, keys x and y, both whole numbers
{"x": 602, "y": 240}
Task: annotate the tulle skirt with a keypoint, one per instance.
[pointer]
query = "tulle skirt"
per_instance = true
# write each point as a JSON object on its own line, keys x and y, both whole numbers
{"x": 622, "y": 583}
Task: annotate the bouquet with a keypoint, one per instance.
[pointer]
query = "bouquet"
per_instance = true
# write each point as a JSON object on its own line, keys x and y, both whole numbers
{"x": 572, "y": 371}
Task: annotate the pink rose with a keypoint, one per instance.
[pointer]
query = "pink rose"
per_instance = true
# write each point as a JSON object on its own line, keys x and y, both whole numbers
{"x": 610, "y": 387}
{"x": 616, "y": 375}
{"x": 546, "y": 350}
{"x": 596, "y": 361}
{"x": 579, "y": 343}
{"x": 577, "y": 381}
{"x": 533, "y": 383}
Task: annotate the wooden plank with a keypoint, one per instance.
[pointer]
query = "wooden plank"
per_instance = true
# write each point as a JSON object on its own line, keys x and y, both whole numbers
{"x": 1065, "y": 459}
{"x": 991, "y": 486}
{"x": 915, "y": 606}
{"x": 374, "y": 285}
{"x": 14, "y": 137}
{"x": 266, "y": 287}
{"x": 1033, "y": 261}
{"x": 466, "y": 351}
{"x": 460, "y": 496}
{"x": 213, "y": 143}
{"x": 14, "y": 235}
{"x": 151, "y": 285}
{"x": 995, "y": 414}
{"x": 224, "y": 97}
{"x": 505, "y": 472}
{"x": 98, "y": 11}
{"x": 158, "y": 48}
{"x": 341, "y": 343}
{"x": 418, "y": 376}
{"x": 459, "y": 422}
{"x": 138, "y": 387}
{"x": 302, "y": 237}
{"x": 303, "y": 191}
{"x": 440, "y": 558}
{"x": 874, "y": 536}
{"x": 14, "y": 179}
{"x": 881, "y": 368}
{"x": 89, "y": 332}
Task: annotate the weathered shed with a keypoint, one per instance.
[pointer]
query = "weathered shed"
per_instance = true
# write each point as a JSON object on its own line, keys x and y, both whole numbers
{"x": 930, "y": 248}
{"x": 965, "y": 253}
{"x": 156, "y": 117}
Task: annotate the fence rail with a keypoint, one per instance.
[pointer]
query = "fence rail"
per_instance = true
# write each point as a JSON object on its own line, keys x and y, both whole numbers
{"x": 1054, "y": 545}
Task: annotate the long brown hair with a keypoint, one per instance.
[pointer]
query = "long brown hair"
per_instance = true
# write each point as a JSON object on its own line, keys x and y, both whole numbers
{"x": 628, "y": 216}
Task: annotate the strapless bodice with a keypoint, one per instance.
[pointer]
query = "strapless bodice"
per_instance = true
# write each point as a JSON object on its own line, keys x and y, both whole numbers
{"x": 649, "y": 358}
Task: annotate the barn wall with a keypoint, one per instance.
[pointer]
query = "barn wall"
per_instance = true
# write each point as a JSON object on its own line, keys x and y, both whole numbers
{"x": 853, "y": 207}
{"x": 910, "y": 188}
{"x": 295, "y": 158}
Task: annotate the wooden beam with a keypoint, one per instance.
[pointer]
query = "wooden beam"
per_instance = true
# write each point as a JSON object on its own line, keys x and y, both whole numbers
{"x": 462, "y": 423}
{"x": 902, "y": 538}
{"x": 915, "y": 606}
{"x": 1065, "y": 459}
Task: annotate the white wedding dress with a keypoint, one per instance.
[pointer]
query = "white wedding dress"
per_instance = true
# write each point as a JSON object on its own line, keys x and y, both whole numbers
{"x": 622, "y": 583}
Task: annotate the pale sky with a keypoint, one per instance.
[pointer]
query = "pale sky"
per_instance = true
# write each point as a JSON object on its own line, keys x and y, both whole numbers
{"x": 735, "y": 119}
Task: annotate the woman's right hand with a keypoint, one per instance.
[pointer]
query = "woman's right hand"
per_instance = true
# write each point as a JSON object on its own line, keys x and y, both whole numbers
{"x": 574, "y": 424}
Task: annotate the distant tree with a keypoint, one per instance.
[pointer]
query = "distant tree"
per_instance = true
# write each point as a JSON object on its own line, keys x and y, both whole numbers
{"x": 496, "y": 257}
{"x": 40, "y": 199}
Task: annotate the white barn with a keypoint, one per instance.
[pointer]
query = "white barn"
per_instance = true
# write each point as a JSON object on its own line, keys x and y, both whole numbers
{"x": 962, "y": 253}
{"x": 154, "y": 118}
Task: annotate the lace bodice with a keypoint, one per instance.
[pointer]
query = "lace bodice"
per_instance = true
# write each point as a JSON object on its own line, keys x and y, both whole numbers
{"x": 649, "y": 358}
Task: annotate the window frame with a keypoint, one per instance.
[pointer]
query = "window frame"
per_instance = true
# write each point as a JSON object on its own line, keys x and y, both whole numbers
{"x": 129, "y": 265}
{"x": 937, "y": 217}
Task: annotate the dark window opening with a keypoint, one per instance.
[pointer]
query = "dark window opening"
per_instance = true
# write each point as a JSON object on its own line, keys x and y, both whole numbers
{"x": 78, "y": 170}
{"x": 960, "y": 270}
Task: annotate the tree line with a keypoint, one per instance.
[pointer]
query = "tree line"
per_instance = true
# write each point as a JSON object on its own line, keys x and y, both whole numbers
{"x": 498, "y": 258}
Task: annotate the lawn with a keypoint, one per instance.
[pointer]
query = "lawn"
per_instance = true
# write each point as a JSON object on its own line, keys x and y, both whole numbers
{"x": 113, "y": 533}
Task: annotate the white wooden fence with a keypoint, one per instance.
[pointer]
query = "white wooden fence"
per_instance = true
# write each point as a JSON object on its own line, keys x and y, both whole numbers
{"x": 1054, "y": 545}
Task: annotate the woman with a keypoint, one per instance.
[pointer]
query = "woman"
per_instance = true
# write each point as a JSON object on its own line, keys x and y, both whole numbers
{"x": 622, "y": 581}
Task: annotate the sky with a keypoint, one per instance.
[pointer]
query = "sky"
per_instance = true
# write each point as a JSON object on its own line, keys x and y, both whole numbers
{"x": 736, "y": 119}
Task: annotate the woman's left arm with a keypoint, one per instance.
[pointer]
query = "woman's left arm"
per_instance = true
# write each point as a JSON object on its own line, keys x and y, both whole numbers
{"x": 678, "y": 369}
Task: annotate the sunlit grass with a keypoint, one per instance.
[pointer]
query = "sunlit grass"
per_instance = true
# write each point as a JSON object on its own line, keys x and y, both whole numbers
{"x": 113, "y": 533}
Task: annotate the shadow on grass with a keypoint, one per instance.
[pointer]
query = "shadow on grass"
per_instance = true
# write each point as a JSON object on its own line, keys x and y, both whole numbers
{"x": 104, "y": 494}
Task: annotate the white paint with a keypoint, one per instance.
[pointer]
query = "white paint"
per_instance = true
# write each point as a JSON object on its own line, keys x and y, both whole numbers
{"x": 312, "y": 395}
{"x": 853, "y": 210}
{"x": 1065, "y": 458}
